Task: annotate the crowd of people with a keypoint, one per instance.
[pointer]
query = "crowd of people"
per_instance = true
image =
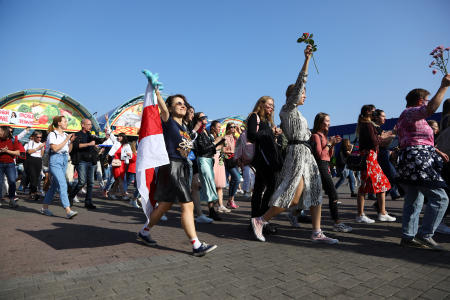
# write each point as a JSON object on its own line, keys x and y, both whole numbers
{"x": 280, "y": 168}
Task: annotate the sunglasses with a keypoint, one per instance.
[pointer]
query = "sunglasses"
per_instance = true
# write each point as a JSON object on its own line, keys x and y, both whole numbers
{"x": 180, "y": 103}
{"x": 232, "y": 126}
{"x": 203, "y": 118}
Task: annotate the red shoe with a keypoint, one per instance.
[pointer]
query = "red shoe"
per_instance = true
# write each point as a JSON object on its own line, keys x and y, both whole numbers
{"x": 231, "y": 204}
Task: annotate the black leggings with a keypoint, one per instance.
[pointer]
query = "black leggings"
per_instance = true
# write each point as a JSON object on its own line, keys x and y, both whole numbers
{"x": 264, "y": 183}
{"x": 33, "y": 167}
{"x": 328, "y": 186}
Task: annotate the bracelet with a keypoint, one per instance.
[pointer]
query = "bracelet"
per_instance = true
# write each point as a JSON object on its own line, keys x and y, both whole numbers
{"x": 329, "y": 145}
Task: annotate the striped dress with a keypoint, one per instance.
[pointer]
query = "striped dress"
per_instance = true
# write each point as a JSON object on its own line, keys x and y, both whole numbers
{"x": 299, "y": 161}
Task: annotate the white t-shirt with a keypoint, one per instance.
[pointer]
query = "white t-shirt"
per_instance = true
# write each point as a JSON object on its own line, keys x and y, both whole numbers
{"x": 33, "y": 145}
{"x": 55, "y": 138}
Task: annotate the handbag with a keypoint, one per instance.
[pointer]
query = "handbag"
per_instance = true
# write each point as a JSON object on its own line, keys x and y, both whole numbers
{"x": 245, "y": 150}
{"x": 116, "y": 162}
{"x": 356, "y": 162}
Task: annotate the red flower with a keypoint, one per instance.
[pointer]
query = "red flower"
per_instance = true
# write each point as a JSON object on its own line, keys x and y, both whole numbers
{"x": 434, "y": 71}
{"x": 306, "y": 35}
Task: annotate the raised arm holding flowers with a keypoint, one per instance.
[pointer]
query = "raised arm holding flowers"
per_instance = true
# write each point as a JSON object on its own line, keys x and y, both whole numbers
{"x": 439, "y": 62}
{"x": 307, "y": 38}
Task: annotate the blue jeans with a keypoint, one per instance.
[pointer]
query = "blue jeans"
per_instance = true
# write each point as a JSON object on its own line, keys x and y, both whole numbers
{"x": 437, "y": 204}
{"x": 85, "y": 172}
{"x": 130, "y": 178}
{"x": 11, "y": 175}
{"x": 351, "y": 179}
{"x": 389, "y": 171}
{"x": 234, "y": 182}
{"x": 58, "y": 165}
{"x": 109, "y": 177}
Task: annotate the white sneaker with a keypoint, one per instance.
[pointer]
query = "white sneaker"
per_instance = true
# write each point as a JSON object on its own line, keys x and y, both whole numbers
{"x": 320, "y": 237}
{"x": 134, "y": 204}
{"x": 442, "y": 228}
{"x": 83, "y": 190}
{"x": 386, "y": 218}
{"x": 248, "y": 194}
{"x": 203, "y": 219}
{"x": 364, "y": 219}
{"x": 293, "y": 220}
{"x": 223, "y": 209}
{"x": 75, "y": 200}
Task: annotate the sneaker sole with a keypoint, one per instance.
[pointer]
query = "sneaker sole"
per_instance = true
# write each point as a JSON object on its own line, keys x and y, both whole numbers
{"x": 145, "y": 242}
{"x": 207, "y": 251}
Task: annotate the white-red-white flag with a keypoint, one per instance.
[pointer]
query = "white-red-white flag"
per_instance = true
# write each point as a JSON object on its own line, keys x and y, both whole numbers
{"x": 152, "y": 151}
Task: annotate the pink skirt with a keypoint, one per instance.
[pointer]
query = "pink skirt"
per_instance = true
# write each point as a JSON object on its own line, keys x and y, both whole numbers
{"x": 219, "y": 172}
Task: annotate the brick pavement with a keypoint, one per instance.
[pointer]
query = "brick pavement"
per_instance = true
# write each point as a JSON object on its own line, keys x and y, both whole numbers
{"x": 96, "y": 255}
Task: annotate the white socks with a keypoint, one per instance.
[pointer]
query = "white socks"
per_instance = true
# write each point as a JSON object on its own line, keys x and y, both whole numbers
{"x": 195, "y": 243}
{"x": 145, "y": 231}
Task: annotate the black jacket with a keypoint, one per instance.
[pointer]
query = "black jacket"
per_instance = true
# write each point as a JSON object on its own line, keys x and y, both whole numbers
{"x": 204, "y": 145}
{"x": 87, "y": 154}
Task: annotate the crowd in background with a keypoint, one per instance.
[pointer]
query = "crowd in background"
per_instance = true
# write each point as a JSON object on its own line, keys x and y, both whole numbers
{"x": 280, "y": 168}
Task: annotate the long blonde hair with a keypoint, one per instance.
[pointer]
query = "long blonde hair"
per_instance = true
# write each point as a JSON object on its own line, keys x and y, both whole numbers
{"x": 259, "y": 110}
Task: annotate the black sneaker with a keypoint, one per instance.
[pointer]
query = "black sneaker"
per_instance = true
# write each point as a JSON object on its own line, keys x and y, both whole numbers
{"x": 203, "y": 249}
{"x": 353, "y": 195}
{"x": 270, "y": 228}
{"x": 413, "y": 243}
{"x": 430, "y": 243}
{"x": 90, "y": 206}
{"x": 146, "y": 239}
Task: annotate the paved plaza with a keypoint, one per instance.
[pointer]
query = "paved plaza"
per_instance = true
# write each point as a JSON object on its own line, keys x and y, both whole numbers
{"x": 96, "y": 255}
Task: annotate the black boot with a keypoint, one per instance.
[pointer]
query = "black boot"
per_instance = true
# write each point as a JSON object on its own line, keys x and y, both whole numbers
{"x": 214, "y": 215}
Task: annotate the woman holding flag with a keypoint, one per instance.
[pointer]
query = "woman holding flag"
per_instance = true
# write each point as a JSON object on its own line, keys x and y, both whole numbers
{"x": 173, "y": 178}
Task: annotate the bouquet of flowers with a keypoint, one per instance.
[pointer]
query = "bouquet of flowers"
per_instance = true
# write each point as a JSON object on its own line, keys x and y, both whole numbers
{"x": 307, "y": 39}
{"x": 439, "y": 62}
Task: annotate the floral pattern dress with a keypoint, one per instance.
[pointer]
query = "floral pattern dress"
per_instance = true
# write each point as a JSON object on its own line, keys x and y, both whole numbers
{"x": 373, "y": 179}
{"x": 299, "y": 162}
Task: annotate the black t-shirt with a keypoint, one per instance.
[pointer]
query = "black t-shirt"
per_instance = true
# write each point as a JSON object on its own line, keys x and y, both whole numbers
{"x": 176, "y": 138}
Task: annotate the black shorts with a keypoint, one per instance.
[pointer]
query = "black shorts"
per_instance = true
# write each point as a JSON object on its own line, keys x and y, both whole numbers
{"x": 172, "y": 183}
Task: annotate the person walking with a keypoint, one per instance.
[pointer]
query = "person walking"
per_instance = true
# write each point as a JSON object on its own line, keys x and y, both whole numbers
{"x": 173, "y": 179}
{"x": 344, "y": 152}
{"x": 299, "y": 180}
{"x": 219, "y": 167}
{"x": 231, "y": 164}
{"x": 261, "y": 131}
{"x": 84, "y": 157}
{"x": 33, "y": 163}
{"x": 419, "y": 167}
{"x": 9, "y": 150}
{"x": 323, "y": 150}
{"x": 205, "y": 149}
{"x": 373, "y": 179}
{"x": 59, "y": 146}
{"x": 131, "y": 176}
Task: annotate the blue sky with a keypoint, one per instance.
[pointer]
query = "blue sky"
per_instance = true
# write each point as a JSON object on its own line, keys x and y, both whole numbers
{"x": 224, "y": 55}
